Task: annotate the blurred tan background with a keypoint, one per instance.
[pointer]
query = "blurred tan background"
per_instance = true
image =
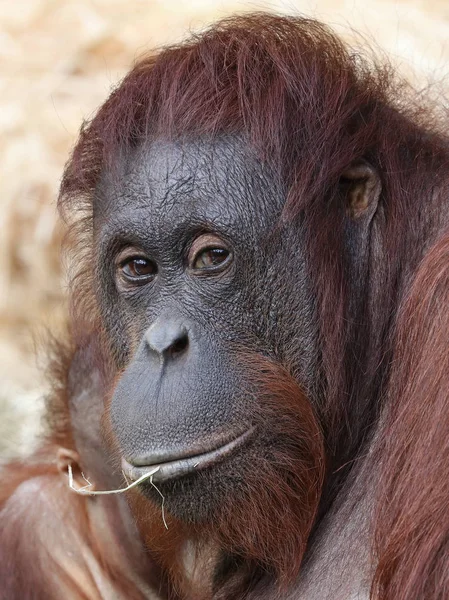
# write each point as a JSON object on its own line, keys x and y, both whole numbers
{"x": 58, "y": 61}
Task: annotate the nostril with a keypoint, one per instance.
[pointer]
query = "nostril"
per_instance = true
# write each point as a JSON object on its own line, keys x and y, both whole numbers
{"x": 179, "y": 345}
{"x": 167, "y": 339}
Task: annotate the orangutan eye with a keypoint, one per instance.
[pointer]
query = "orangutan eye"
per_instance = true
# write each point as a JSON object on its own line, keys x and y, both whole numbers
{"x": 208, "y": 253}
{"x": 138, "y": 270}
{"x": 211, "y": 258}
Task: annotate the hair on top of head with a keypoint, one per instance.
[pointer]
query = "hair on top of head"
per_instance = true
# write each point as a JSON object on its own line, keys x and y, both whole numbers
{"x": 303, "y": 99}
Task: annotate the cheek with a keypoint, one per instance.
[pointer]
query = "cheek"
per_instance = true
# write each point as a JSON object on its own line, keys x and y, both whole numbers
{"x": 121, "y": 333}
{"x": 123, "y": 319}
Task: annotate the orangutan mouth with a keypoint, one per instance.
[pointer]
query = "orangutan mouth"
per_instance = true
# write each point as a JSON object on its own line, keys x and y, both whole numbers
{"x": 174, "y": 467}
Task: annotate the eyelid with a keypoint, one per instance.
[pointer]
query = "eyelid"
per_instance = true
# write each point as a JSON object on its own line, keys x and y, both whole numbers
{"x": 128, "y": 253}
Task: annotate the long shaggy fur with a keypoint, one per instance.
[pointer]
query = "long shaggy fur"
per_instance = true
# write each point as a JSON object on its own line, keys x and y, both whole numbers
{"x": 412, "y": 534}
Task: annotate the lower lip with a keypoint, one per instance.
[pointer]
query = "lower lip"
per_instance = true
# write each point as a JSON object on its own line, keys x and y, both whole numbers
{"x": 185, "y": 466}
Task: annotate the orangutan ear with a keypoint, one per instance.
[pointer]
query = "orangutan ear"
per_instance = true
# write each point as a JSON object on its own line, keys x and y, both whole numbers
{"x": 361, "y": 186}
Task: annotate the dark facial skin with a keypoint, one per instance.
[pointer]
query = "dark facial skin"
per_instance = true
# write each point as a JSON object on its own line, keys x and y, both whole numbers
{"x": 190, "y": 279}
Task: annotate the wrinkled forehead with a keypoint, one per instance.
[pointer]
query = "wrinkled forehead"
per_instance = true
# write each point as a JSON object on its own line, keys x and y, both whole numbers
{"x": 200, "y": 179}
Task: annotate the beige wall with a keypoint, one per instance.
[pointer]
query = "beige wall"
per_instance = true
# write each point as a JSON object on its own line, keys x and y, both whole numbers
{"x": 58, "y": 60}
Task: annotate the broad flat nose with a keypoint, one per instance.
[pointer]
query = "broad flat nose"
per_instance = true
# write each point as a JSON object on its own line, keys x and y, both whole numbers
{"x": 167, "y": 338}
